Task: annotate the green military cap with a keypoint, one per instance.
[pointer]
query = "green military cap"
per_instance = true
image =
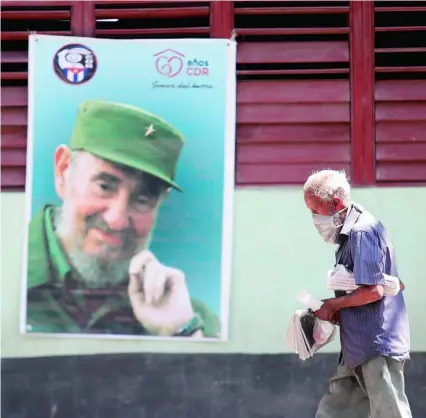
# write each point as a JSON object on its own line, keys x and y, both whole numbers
{"x": 130, "y": 136}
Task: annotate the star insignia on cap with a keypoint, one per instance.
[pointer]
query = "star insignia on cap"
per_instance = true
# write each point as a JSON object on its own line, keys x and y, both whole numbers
{"x": 150, "y": 130}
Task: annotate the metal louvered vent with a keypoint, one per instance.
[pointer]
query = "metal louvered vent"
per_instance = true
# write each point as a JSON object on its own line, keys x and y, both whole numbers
{"x": 293, "y": 113}
{"x": 128, "y": 19}
{"x": 19, "y": 18}
{"x": 400, "y": 39}
{"x": 400, "y": 90}
{"x": 292, "y": 39}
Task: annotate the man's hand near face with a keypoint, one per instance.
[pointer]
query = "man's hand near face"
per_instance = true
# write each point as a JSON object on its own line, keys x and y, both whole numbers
{"x": 158, "y": 295}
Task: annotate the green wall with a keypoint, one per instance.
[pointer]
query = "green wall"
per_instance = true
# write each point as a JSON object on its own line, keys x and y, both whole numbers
{"x": 277, "y": 252}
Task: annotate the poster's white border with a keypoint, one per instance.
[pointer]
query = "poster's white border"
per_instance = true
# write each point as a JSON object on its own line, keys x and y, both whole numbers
{"x": 228, "y": 187}
{"x": 228, "y": 192}
{"x": 32, "y": 39}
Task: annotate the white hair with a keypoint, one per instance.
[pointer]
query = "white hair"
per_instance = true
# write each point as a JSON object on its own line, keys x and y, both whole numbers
{"x": 328, "y": 184}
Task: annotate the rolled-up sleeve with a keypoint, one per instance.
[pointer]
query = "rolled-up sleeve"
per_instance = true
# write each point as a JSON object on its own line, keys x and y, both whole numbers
{"x": 368, "y": 258}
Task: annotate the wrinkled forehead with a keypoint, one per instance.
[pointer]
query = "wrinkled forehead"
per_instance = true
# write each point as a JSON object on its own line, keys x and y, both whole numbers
{"x": 90, "y": 166}
{"x": 312, "y": 202}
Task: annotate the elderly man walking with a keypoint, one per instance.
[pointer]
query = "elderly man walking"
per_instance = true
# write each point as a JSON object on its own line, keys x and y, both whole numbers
{"x": 374, "y": 329}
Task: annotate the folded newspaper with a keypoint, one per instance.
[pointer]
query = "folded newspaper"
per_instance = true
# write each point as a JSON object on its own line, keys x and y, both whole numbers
{"x": 306, "y": 333}
{"x": 340, "y": 278}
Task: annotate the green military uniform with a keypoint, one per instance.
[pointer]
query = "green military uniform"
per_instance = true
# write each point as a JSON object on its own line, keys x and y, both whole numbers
{"x": 56, "y": 303}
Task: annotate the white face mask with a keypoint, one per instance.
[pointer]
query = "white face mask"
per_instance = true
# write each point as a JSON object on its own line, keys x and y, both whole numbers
{"x": 330, "y": 226}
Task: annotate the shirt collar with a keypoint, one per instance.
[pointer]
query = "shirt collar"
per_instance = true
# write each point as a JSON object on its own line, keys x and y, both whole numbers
{"x": 354, "y": 212}
{"x": 58, "y": 258}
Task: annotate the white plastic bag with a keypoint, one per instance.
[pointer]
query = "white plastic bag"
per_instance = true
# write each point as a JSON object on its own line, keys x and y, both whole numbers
{"x": 309, "y": 301}
{"x": 323, "y": 330}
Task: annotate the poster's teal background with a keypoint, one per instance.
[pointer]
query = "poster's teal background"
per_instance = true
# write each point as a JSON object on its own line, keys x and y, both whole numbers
{"x": 188, "y": 235}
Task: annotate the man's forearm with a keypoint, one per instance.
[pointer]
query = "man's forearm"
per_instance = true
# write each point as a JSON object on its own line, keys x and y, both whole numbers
{"x": 362, "y": 296}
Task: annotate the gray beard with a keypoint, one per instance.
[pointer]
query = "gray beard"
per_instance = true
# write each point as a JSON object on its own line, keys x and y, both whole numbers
{"x": 93, "y": 272}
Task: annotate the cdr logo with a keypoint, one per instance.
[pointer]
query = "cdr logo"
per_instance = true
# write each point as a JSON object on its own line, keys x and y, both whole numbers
{"x": 75, "y": 63}
{"x": 170, "y": 63}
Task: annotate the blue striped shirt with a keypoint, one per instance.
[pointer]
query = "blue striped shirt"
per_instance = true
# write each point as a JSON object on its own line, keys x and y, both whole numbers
{"x": 380, "y": 328}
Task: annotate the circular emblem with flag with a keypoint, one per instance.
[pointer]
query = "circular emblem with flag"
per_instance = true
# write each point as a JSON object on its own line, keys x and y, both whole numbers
{"x": 75, "y": 63}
